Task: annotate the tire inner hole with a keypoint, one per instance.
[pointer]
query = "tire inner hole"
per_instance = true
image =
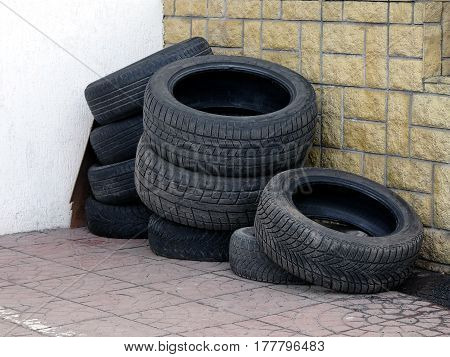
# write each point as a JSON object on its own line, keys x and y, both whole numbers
{"x": 231, "y": 92}
{"x": 345, "y": 210}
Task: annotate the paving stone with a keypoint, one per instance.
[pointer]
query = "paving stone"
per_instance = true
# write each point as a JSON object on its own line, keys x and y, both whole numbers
{"x": 126, "y": 301}
{"x": 185, "y": 317}
{"x": 79, "y": 285}
{"x": 258, "y": 302}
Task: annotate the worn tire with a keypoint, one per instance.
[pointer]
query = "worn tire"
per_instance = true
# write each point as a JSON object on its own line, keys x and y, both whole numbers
{"x": 175, "y": 241}
{"x": 247, "y": 260}
{"x": 117, "y": 221}
{"x": 117, "y": 142}
{"x": 193, "y": 107}
{"x": 195, "y": 199}
{"x": 345, "y": 262}
{"x": 121, "y": 94}
{"x": 113, "y": 184}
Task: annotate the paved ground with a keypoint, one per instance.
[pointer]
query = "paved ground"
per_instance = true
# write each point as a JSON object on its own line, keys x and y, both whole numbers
{"x": 69, "y": 282}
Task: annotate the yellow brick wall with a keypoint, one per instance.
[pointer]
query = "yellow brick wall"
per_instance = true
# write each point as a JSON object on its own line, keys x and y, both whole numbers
{"x": 379, "y": 69}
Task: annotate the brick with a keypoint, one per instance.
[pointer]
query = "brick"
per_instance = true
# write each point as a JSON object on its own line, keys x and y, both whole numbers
{"x": 365, "y": 104}
{"x": 228, "y": 51}
{"x": 341, "y": 160}
{"x": 376, "y": 41}
{"x": 332, "y": 117}
{"x": 400, "y": 12}
{"x": 332, "y": 10}
{"x": 301, "y": 10}
{"x": 436, "y": 246}
{"x": 364, "y": 11}
{"x": 226, "y": 33}
{"x": 405, "y": 74}
{"x": 438, "y": 88}
{"x": 190, "y": 7}
{"x": 169, "y": 7}
{"x": 216, "y": 8}
{"x": 313, "y": 157}
{"x": 432, "y": 50}
{"x": 343, "y": 38}
{"x": 344, "y": 70}
{"x": 176, "y": 29}
{"x": 288, "y": 59}
{"x": 431, "y": 110}
{"x": 409, "y": 174}
{"x": 398, "y": 124}
{"x": 365, "y": 136}
{"x": 248, "y": 9}
{"x": 432, "y": 11}
{"x": 199, "y": 27}
{"x": 271, "y": 9}
{"x": 252, "y": 38}
{"x": 405, "y": 40}
{"x": 376, "y": 52}
{"x": 442, "y": 196}
{"x": 420, "y": 202}
{"x": 310, "y": 51}
{"x": 430, "y": 144}
{"x": 446, "y": 30}
{"x": 418, "y": 12}
{"x": 374, "y": 167}
{"x": 280, "y": 35}
{"x": 446, "y": 67}
{"x": 376, "y": 72}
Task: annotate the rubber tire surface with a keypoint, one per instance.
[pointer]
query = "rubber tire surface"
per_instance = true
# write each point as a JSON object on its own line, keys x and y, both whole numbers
{"x": 112, "y": 221}
{"x": 195, "y": 199}
{"x": 175, "y": 241}
{"x": 248, "y": 261}
{"x": 121, "y": 94}
{"x": 117, "y": 142}
{"x": 323, "y": 256}
{"x": 229, "y": 145}
{"x": 113, "y": 184}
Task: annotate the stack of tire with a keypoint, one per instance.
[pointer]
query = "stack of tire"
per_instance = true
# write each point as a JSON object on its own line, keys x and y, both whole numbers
{"x": 216, "y": 129}
{"x": 116, "y": 101}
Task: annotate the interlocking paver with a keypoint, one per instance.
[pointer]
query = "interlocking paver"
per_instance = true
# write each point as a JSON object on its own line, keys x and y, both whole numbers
{"x": 36, "y": 269}
{"x": 130, "y": 300}
{"x": 258, "y": 302}
{"x": 75, "y": 286}
{"x": 72, "y": 283}
{"x": 185, "y": 317}
{"x": 203, "y": 286}
{"x": 151, "y": 271}
{"x": 112, "y": 326}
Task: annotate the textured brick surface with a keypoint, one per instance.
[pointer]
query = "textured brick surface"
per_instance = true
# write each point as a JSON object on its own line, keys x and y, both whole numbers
{"x": 380, "y": 70}
{"x": 209, "y": 301}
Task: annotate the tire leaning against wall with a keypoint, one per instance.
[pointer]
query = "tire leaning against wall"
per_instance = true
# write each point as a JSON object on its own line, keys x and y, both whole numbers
{"x": 121, "y": 94}
{"x": 341, "y": 261}
{"x": 113, "y": 221}
{"x": 118, "y": 141}
{"x": 114, "y": 183}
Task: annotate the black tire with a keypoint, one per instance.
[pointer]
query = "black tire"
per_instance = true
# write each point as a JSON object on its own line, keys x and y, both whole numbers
{"x": 230, "y": 116}
{"x": 113, "y": 184}
{"x": 121, "y": 94}
{"x": 247, "y": 260}
{"x": 175, "y": 241}
{"x": 195, "y": 199}
{"x": 111, "y": 221}
{"x": 117, "y": 142}
{"x": 339, "y": 260}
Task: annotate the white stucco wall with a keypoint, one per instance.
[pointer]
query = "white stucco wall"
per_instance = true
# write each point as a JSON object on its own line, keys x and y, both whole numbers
{"x": 44, "y": 119}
